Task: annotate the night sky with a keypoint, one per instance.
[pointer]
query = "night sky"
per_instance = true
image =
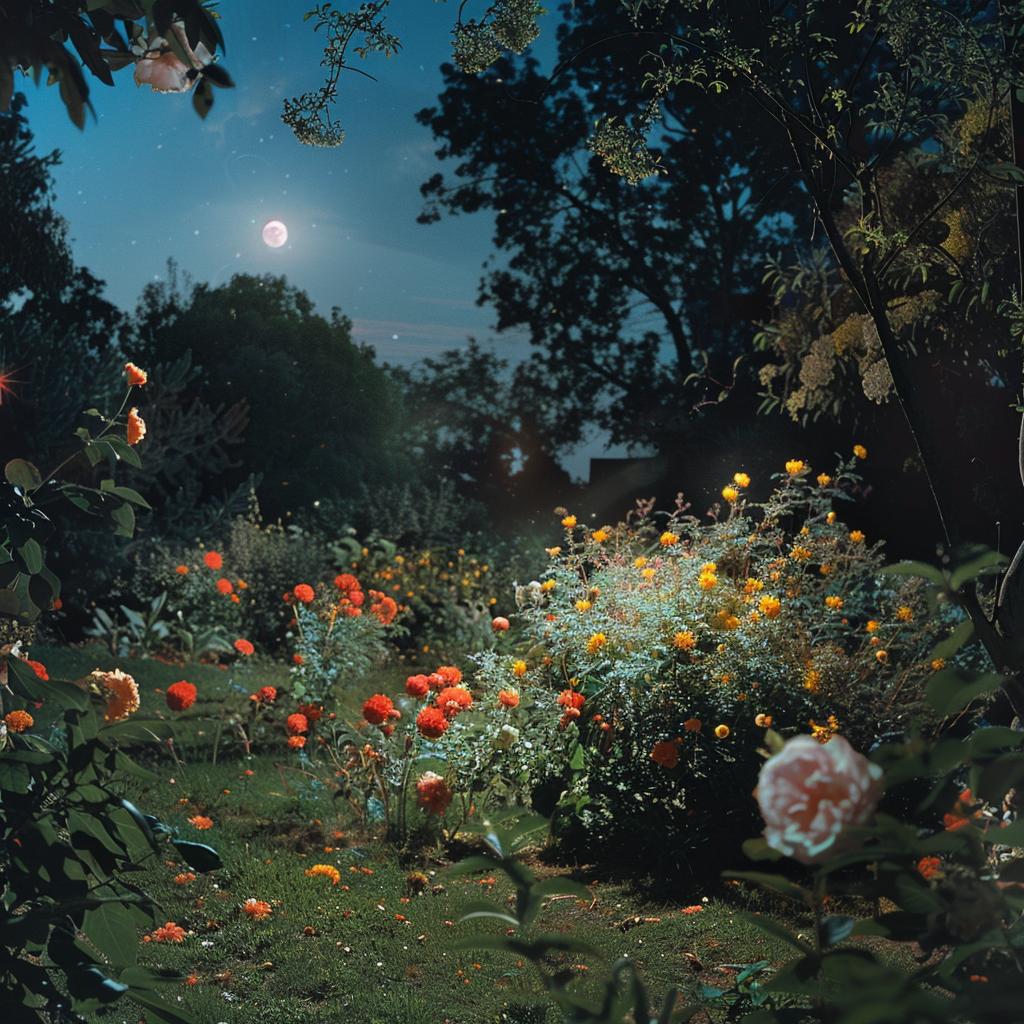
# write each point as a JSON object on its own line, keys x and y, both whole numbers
{"x": 148, "y": 180}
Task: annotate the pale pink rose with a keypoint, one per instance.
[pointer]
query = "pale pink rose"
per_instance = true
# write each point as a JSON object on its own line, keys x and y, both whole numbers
{"x": 162, "y": 70}
{"x": 809, "y": 791}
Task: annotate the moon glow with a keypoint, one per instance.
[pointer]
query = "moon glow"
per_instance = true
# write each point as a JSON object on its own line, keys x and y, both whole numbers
{"x": 275, "y": 234}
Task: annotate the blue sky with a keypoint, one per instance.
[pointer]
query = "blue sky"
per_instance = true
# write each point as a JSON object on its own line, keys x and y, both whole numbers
{"x": 149, "y": 180}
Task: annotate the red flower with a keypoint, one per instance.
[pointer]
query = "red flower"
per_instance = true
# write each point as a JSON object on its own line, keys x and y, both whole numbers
{"x": 378, "y": 709}
{"x": 433, "y": 793}
{"x": 38, "y": 668}
{"x": 450, "y": 674}
{"x": 666, "y": 754}
{"x": 304, "y": 593}
{"x": 570, "y": 699}
{"x": 297, "y": 724}
{"x": 357, "y": 597}
{"x": 508, "y": 698}
{"x": 499, "y": 624}
{"x": 136, "y": 427}
{"x": 453, "y": 699}
{"x": 224, "y": 586}
{"x": 266, "y": 695}
{"x": 928, "y": 866}
{"x": 431, "y": 722}
{"x": 213, "y": 560}
{"x": 417, "y": 686}
{"x": 18, "y": 721}
{"x": 169, "y": 932}
{"x": 346, "y": 581}
{"x": 182, "y": 570}
{"x": 135, "y": 375}
{"x": 244, "y": 647}
{"x": 296, "y": 742}
{"x": 313, "y": 712}
{"x": 385, "y": 610}
{"x": 256, "y": 908}
{"x": 181, "y": 696}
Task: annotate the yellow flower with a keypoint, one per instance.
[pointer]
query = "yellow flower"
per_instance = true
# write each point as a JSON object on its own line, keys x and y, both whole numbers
{"x": 823, "y": 733}
{"x": 596, "y": 642}
{"x": 824, "y": 569}
{"x": 600, "y": 536}
{"x": 569, "y": 522}
{"x": 824, "y": 479}
{"x": 727, "y": 620}
{"x": 707, "y": 580}
{"x": 709, "y": 567}
{"x": 684, "y": 640}
{"x": 741, "y": 480}
{"x": 325, "y": 869}
{"x": 549, "y": 585}
{"x": 553, "y": 552}
{"x": 668, "y": 538}
{"x": 938, "y": 664}
{"x": 648, "y": 574}
{"x": 770, "y": 606}
{"x": 904, "y": 614}
{"x": 871, "y": 626}
{"x": 730, "y": 494}
{"x": 882, "y": 656}
{"x": 640, "y": 562}
{"x": 799, "y": 554}
{"x": 812, "y": 680}
{"x": 752, "y": 586}
{"x": 830, "y": 518}
{"x": 794, "y": 466}
{"x": 834, "y": 602}
{"x": 721, "y": 731}
{"x": 860, "y": 451}
{"x": 519, "y": 668}
{"x": 856, "y": 536}
{"x": 582, "y": 606}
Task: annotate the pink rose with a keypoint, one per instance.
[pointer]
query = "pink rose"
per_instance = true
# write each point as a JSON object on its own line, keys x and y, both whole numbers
{"x": 161, "y": 69}
{"x": 809, "y": 791}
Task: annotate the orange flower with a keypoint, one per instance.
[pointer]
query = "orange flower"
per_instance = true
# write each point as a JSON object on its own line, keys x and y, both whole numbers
{"x": 213, "y": 560}
{"x": 770, "y": 606}
{"x": 666, "y": 754}
{"x": 136, "y": 427}
{"x": 346, "y": 581}
{"x": 508, "y": 698}
{"x": 519, "y": 668}
{"x": 121, "y": 692}
{"x": 313, "y": 712}
{"x": 256, "y": 908}
{"x": 244, "y": 647}
{"x": 378, "y": 709}
{"x": 571, "y": 699}
{"x": 296, "y": 742}
{"x": 721, "y": 731}
{"x": 304, "y": 593}
{"x": 182, "y": 570}
{"x": 794, "y": 466}
{"x": 499, "y": 624}
{"x": 668, "y": 539}
{"x": 433, "y": 794}
{"x": 184, "y": 878}
{"x": 834, "y": 602}
{"x": 596, "y": 642}
{"x": 325, "y": 869}
{"x": 201, "y": 821}
{"x": 763, "y": 721}
{"x": 431, "y": 722}
{"x": 265, "y": 695}
{"x": 692, "y": 725}
{"x": 417, "y": 686}
{"x": 298, "y": 659}
{"x": 927, "y": 866}
{"x": 860, "y": 451}
{"x": 18, "y": 721}
{"x": 224, "y": 586}
{"x": 684, "y": 640}
{"x": 296, "y": 724}
{"x": 135, "y": 375}
{"x": 181, "y": 696}
{"x": 169, "y": 932}
{"x": 385, "y": 609}
{"x": 450, "y": 674}
{"x": 569, "y": 522}
{"x": 453, "y": 699}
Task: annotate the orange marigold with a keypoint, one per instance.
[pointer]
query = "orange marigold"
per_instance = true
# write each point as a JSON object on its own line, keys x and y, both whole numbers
{"x": 692, "y": 725}
{"x": 453, "y": 699}
{"x": 181, "y": 695}
{"x": 327, "y": 870}
{"x": 18, "y": 721}
{"x": 431, "y": 722}
{"x": 264, "y": 695}
{"x": 303, "y": 592}
{"x": 499, "y": 624}
{"x": 508, "y": 698}
{"x": 182, "y": 570}
{"x": 794, "y": 466}
{"x": 224, "y": 586}
{"x": 596, "y": 642}
{"x": 256, "y": 908}
{"x": 169, "y": 932}
{"x": 417, "y": 686}
{"x": 378, "y": 709}
{"x": 213, "y": 560}
{"x": 244, "y": 647}
{"x": 684, "y": 640}
{"x": 201, "y": 821}
{"x": 450, "y": 674}
{"x": 668, "y": 539}
{"x": 297, "y": 723}
{"x": 296, "y": 742}
{"x": 571, "y": 699}
{"x": 121, "y": 692}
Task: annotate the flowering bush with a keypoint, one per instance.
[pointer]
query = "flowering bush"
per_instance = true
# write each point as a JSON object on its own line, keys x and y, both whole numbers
{"x": 659, "y": 649}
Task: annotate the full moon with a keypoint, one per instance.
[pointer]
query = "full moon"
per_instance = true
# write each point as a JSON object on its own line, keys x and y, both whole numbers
{"x": 275, "y": 234}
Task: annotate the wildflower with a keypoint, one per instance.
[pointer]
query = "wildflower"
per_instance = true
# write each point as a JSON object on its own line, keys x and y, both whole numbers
{"x": 553, "y": 552}
{"x": 668, "y": 539}
{"x": 182, "y": 570}
{"x": 692, "y": 725}
{"x": 135, "y": 375}
{"x": 600, "y": 536}
{"x": 224, "y": 586}
{"x": 871, "y": 626}
{"x": 730, "y": 494}
{"x": 297, "y": 723}
{"x": 213, "y": 560}
{"x": 927, "y": 866}
{"x": 453, "y": 699}
{"x": 707, "y": 580}
{"x": 508, "y": 698}
{"x": 834, "y": 602}
{"x": 904, "y": 614}
{"x": 808, "y": 793}
{"x": 726, "y": 620}
{"x": 812, "y": 680}
{"x": 433, "y": 794}
{"x": 385, "y": 609}
{"x": 763, "y": 721}
{"x": 121, "y": 692}
{"x": 184, "y": 878}
{"x": 569, "y": 522}
{"x": 741, "y": 480}
{"x": 519, "y": 668}
{"x": 938, "y": 664}
{"x": 648, "y": 574}
{"x": 325, "y": 869}
{"x": 378, "y": 709}
{"x": 857, "y": 537}
{"x": 799, "y": 554}
{"x": 256, "y": 908}
{"x": 201, "y": 821}
{"x": 548, "y": 585}
{"x": 136, "y": 426}
{"x": 826, "y": 569}
{"x": 771, "y": 607}
{"x": 666, "y": 754}
{"x": 571, "y": 699}
{"x": 824, "y": 479}
{"x": 181, "y": 696}
{"x": 500, "y": 624}
{"x": 824, "y": 733}
{"x": 18, "y": 721}
{"x": 752, "y": 586}
{"x": 596, "y": 642}
{"x": 640, "y": 562}
{"x": 450, "y": 675}
{"x": 882, "y": 656}
{"x": 296, "y": 742}
{"x": 721, "y": 731}
{"x": 417, "y": 686}
{"x": 244, "y": 647}
{"x": 265, "y": 695}
{"x": 684, "y": 640}
{"x": 431, "y": 722}
{"x": 298, "y": 659}
{"x": 303, "y": 592}
{"x": 583, "y": 606}
{"x": 169, "y": 932}
{"x": 860, "y": 451}
{"x": 346, "y": 582}
{"x": 794, "y": 466}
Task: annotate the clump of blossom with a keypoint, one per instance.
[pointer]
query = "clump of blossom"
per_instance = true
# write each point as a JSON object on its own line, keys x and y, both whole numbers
{"x": 181, "y": 695}
{"x": 256, "y": 909}
{"x": 809, "y": 792}
{"x": 326, "y": 870}
{"x": 304, "y": 593}
{"x": 200, "y": 821}
{"x": 431, "y": 722}
{"x": 213, "y": 560}
{"x": 666, "y": 754}
{"x": 297, "y": 724}
{"x": 244, "y": 647}
{"x": 453, "y": 699}
{"x": 18, "y": 721}
{"x": 433, "y": 794}
{"x": 417, "y": 686}
{"x": 121, "y": 692}
{"x": 379, "y": 708}
{"x": 450, "y": 674}
{"x": 169, "y": 932}
{"x": 264, "y": 695}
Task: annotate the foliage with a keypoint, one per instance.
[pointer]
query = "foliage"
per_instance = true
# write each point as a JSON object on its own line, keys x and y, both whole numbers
{"x": 654, "y": 653}
{"x": 70, "y": 914}
{"x": 33, "y": 34}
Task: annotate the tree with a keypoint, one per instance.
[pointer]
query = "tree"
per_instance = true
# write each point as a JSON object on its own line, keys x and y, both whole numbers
{"x": 324, "y": 417}
{"x": 623, "y": 287}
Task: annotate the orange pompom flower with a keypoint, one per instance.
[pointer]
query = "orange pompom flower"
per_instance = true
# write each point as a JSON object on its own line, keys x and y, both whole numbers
{"x": 296, "y": 742}
{"x": 256, "y": 908}
{"x": 378, "y": 709}
{"x": 297, "y": 723}
{"x": 181, "y": 695}
{"x": 431, "y": 722}
{"x": 265, "y": 695}
{"x": 508, "y": 698}
{"x": 666, "y": 754}
{"x": 417, "y": 686}
{"x": 303, "y": 592}
{"x": 213, "y": 560}
{"x": 224, "y": 586}
{"x": 244, "y": 647}
{"x": 453, "y": 699}
{"x": 18, "y": 721}
{"x": 121, "y": 692}
{"x": 169, "y": 932}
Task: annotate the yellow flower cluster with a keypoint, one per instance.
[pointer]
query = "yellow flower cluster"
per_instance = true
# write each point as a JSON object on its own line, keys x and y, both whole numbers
{"x": 583, "y": 606}
{"x": 707, "y": 580}
{"x": 752, "y": 586}
{"x": 823, "y": 733}
{"x": 730, "y": 494}
{"x": 794, "y": 466}
{"x": 668, "y": 539}
{"x": 741, "y": 480}
{"x": 770, "y": 606}
{"x": 824, "y": 479}
{"x": 904, "y": 614}
{"x": 835, "y": 603}
{"x": 684, "y": 640}
{"x": 596, "y": 642}
{"x": 799, "y": 554}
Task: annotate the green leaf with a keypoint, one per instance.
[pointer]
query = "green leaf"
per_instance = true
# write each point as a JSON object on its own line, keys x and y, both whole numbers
{"x": 970, "y": 570}
{"x": 922, "y": 569}
{"x": 198, "y": 855}
{"x": 1007, "y": 172}
{"x": 23, "y": 475}
{"x": 110, "y": 927}
{"x": 131, "y": 495}
{"x": 962, "y": 632}
{"x": 10, "y": 603}
{"x": 31, "y": 556}
{"x": 157, "y": 1010}
{"x": 952, "y": 689}
{"x": 124, "y": 520}
{"x": 123, "y": 450}
{"x": 758, "y": 849}
{"x": 777, "y": 883}
{"x": 202, "y": 98}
